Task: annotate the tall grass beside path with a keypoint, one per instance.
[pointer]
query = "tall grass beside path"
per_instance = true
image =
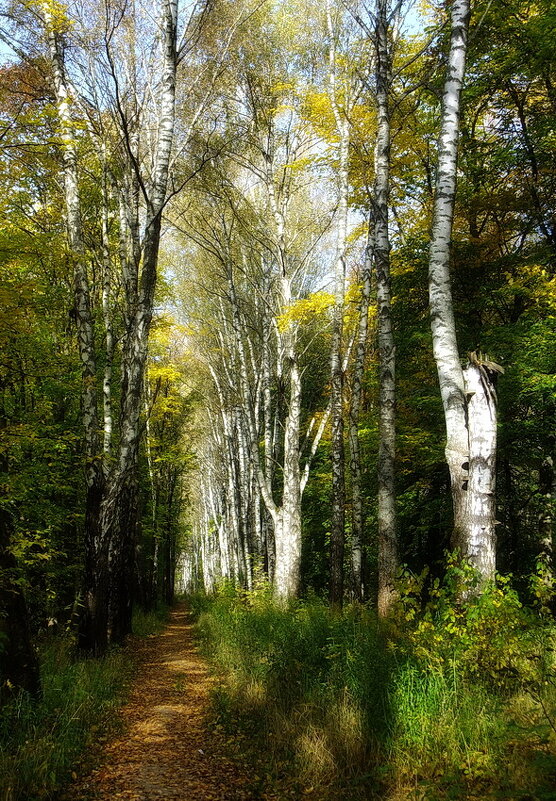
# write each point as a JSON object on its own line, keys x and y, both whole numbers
{"x": 41, "y": 741}
{"x": 439, "y": 704}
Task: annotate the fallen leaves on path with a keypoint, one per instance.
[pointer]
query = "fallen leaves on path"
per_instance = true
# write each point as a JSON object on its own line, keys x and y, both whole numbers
{"x": 165, "y": 750}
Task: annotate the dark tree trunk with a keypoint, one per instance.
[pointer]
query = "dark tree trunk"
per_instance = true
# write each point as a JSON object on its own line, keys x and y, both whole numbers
{"x": 387, "y": 537}
{"x": 120, "y": 531}
{"x": 19, "y": 669}
{"x": 93, "y": 618}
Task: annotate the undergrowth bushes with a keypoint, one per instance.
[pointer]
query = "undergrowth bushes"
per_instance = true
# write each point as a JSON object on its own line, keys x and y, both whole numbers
{"x": 448, "y": 700}
{"x": 40, "y": 741}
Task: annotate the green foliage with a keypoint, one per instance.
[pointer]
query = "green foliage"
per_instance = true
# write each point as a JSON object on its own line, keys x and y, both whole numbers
{"x": 457, "y": 698}
{"x": 489, "y": 634}
{"x": 469, "y": 661}
{"x": 39, "y": 742}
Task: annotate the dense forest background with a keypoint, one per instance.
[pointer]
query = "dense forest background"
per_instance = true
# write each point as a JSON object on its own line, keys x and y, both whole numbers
{"x": 219, "y": 230}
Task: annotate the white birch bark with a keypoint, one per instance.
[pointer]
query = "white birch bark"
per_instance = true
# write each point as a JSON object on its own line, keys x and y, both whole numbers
{"x": 481, "y": 409}
{"x": 445, "y": 347}
{"x": 287, "y": 515}
{"x": 547, "y": 488}
{"x": 83, "y": 315}
{"x": 468, "y": 397}
{"x": 288, "y": 519}
{"x": 107, "y": 318}
{"x": 119, "y": 508}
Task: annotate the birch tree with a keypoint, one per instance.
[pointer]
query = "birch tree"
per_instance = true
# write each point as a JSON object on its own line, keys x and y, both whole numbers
{"x": 387, "y": 538}
{"x": 378, "y": 27}
{"x": 341, "y": 119}
{"x": 357, "y": 373}
{"x": 468, "y": 395}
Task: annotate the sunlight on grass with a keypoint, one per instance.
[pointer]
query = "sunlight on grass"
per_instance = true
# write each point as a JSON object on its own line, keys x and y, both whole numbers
{"x": 458, "y": 707}
{"x": 41, "y": 741}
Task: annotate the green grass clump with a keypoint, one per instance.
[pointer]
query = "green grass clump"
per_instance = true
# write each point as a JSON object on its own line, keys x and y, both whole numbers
{"x": 448, "y": 700}
{"x": 40, "y": 741}
{"x": 151, "y": 622}
{"x": 312, "y": 682}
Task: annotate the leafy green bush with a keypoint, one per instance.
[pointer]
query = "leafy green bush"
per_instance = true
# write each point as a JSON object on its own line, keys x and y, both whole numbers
{"x": 489, "y": 636}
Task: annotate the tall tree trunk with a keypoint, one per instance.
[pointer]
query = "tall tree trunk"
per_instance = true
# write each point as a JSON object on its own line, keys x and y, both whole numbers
{"x": 337, "y": 533}
{"x": 355, "y": 467}
{"x": 119, "y": 508}
{"x": 445, "y": 347}
{"x": 480, "y": 389}
{"x": 107, "y": 318}
{"x": 387, "y": 539}
{"x": 287, "y": 521}
{"x": 547, "y": 489}
{"x": 93, "y": 620}
{"x": 286, "y": 517}
{"x": 268, "y": 523}
{"x": 468, "y": 397}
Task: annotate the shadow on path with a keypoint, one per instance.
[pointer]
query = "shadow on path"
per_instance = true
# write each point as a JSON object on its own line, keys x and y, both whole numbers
{"x": 165, "y": 750}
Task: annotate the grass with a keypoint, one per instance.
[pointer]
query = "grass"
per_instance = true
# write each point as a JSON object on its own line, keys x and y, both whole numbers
{"x": 349, "y": 710}
{"x": 147, "y": 624}
{"x": 40, "y": 742}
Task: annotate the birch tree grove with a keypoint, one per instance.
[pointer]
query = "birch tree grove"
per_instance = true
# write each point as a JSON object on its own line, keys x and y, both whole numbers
{"x": 141, "y": 189}
{"x": 236, "y": 238}
{"x": 254, "y": 352}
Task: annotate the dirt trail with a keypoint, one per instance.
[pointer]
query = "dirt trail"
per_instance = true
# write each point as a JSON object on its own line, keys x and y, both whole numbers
{"x": 165, "y": 750}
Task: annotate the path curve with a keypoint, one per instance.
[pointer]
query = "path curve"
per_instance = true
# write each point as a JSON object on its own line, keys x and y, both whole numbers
{"x": 166, "y": 750}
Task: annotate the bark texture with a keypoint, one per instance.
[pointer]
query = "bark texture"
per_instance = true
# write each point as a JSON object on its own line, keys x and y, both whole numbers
{"x": 119, "y": 508}
{"x": 443, "y": 325}
{"x": 94, "y": 614}
{"x": 337, "y": 533}
{"x": 355, "y": 466}
{"x": 387, "y": 539}
{"x": 468, "y": 397}
{"x": 480, "y": 389}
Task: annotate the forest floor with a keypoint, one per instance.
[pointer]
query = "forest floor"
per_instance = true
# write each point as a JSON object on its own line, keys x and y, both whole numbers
{"x": 165, "y": 747}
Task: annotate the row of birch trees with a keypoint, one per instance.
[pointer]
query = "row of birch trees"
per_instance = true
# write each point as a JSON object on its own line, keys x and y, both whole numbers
{"x": 275, "y": 296}
{"x": 119, "y": 79}
{"x": 262, "y": 172}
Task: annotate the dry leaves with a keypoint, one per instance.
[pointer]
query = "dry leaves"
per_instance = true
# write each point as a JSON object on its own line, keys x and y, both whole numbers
{"x": 166, "y": 751}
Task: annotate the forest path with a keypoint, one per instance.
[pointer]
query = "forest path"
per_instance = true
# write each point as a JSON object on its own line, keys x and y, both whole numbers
{"x": 165, "y": 749}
